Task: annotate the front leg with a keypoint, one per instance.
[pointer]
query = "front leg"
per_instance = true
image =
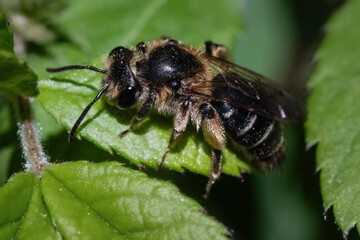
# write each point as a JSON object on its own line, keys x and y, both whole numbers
{"x": 144, "y": 109}
{"x": 181, "y": 120}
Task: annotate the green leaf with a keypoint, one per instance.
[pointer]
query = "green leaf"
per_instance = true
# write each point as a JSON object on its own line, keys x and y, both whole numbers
{"x": 6, "y": 41}
{"x": 334, "y": 116}
{"x": 23, "y": 210}
{"x": 99, "y": 201}
{"x": 5, "y": 158}
{"x": 95, "y": 27}
{"x": 35, "y": 9}
{"x": 15, "y": 76}
{"x": 129, "y": 22}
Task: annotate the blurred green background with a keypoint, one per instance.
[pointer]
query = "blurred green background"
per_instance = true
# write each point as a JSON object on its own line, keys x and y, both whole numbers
{"x": 276, "y": 38}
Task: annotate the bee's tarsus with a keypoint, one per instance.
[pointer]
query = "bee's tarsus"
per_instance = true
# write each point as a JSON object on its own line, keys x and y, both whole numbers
{"x": 71, "y": 136}
{"x": 160, "y": 164}
{"x": 216, "y": 164}
{"x": 123, "y": 133}
{"x": 209, "y": 184}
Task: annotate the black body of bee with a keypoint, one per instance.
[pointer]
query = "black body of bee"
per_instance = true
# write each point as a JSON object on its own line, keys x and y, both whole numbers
{"x": 262, "y": 137}
{"x": 220, "y": 98}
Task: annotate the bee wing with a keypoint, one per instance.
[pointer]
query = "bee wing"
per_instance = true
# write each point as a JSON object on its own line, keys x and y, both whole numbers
{"x": 252, "y": 92}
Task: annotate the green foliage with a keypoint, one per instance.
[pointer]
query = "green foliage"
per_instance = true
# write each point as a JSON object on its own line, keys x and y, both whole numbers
{"x": 99, "y": 201}
{"x": 35, "y": 9}
{"x": 6, "y": 41}
{"x": 89, "y": 29}
{"x": 334, "y": 118}
{"x": 15, "y": 75}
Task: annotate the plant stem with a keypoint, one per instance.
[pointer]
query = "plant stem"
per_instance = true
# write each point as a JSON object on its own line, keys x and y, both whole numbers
{"x": 36, "y": 160}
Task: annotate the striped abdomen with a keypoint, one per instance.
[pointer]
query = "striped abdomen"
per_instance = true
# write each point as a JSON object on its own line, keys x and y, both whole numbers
{"x": 262, "y": 137}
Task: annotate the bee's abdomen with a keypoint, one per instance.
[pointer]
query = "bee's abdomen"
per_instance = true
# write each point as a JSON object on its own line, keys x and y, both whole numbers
{"x": 262, "y": 137}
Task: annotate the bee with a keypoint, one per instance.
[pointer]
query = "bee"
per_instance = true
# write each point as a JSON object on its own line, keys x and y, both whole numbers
{"x": 224, "y": 100}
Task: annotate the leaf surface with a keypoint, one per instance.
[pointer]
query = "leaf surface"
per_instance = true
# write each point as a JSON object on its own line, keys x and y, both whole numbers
{"x": 6, "y": 42}
{"x": 99, "y": 201}
{"x": 15, "y": 76}
{"x": 334, "y": 116}
{"x": 91, "y": 28}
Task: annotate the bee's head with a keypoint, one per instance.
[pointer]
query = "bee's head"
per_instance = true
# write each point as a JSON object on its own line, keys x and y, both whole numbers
{"x": 120, "y": 83}
{"x": 124, "y": 88}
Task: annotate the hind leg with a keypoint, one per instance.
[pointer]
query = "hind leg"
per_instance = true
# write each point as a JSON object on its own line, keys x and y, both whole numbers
{"x": 214, "y": 134}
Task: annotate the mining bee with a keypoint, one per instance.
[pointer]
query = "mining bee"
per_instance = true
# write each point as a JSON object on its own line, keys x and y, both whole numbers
{"x": 224, "y": 100}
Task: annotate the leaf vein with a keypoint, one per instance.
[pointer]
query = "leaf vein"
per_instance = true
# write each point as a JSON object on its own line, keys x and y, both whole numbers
{"x": 98, "y": 215}
{"x": 26, "y": 211}
{"x": 143, "y": 20}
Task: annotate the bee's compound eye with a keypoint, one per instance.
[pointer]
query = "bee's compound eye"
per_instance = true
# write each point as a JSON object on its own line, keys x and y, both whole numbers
{"x": 121, "y": 54}
{"x": 127, "y": 97}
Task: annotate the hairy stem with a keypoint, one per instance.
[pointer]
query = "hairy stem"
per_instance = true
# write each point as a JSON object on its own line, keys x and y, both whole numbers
{"x": 36, "y": 160}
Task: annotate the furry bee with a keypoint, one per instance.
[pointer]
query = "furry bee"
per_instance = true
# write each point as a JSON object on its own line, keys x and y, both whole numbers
{"x": 222, "y": 99}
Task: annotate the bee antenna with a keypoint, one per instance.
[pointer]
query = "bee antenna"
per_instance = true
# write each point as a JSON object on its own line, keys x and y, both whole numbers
{"x": 83, "y": 114}
{"x": 75, "y": 67}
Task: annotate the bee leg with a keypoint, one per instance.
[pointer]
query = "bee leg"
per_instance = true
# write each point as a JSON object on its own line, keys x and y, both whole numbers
{"x": 216, "y": 163}
{"x": 214, "y": 134}
{"x": 144, "y": 109}
{"x": 181, "y": 120}
{"x": 216, "y": 50}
